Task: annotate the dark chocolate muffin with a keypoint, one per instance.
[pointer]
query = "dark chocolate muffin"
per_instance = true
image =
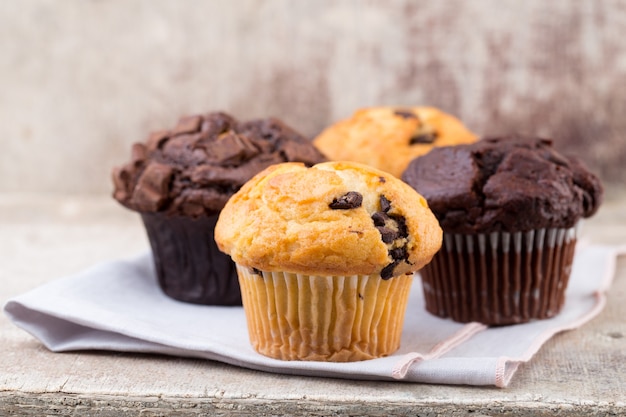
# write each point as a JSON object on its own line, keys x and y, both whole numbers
{"x": 509, "y": 208}
{"x": 180, "y": 179}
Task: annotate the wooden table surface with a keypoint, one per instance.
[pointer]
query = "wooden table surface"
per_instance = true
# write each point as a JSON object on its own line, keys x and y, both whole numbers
{"x": 581, "y": 372}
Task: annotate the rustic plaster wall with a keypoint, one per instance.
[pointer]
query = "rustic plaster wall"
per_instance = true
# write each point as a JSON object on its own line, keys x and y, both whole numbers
{"x": 81, "y": 80}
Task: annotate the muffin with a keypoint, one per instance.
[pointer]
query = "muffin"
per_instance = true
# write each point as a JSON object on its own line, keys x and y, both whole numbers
{"x": 388, "y": 138}
{"x": 180, "y": 179}
{"x": 325, "y": 257}
{"x": 509, "y": 208}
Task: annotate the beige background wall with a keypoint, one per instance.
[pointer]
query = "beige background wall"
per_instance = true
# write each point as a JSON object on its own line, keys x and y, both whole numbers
{"x": 81, "y": 80}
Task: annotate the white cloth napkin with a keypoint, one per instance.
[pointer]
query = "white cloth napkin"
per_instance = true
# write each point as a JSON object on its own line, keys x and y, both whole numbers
{"x": 118, "y": 306}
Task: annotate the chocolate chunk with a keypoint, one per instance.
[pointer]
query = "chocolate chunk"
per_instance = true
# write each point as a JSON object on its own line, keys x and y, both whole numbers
{"x": 213, "y": 175}
{"x": 423, "y": 138}
{"x": 399, "y": 254}
{"x": 558, "y": 159}
{"x": 382, "y": 179}
{"x": 231, "y": 149}
{"x": 121, "y": 179}
{"x": 387, "y": 272}
{"x": 270, "y": 130}
{"x": 303, "y": 152}
{"x": 180, "y": 152}
{"x": 385, "y": 205}
{"x": 156, "y": 140}
{"x": 387, "y": 235}
{"x": 151, "y": 190}
{"x": 405, "y": 114}
{"x": 215, "y": 124}
{"x": 190, "y": 124}
{"x": 350, "y": 200}
{"x": 138, "y": 153}
{"x": 380, "y": 218}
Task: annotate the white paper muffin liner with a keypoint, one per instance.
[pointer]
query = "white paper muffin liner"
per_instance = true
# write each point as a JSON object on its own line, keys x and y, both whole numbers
{"x": 500, "y": 278}
{"x": 323, "y": 318}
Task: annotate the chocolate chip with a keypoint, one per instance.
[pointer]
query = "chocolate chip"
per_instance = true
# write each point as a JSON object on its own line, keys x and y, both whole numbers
{"x": 385, "y": 205}
{"x": 350, "y": 200}
{"x": 391, "y": 228}
{"x": 387, "y": 235}
{"x": 403, "y": 231}
{"x": 405, "y": 114}
{"x": 380, "y": 218}
{"x": 382, "y": 179}
{"x": 387, "y": 272}
{"x": 422, "y": 138}
{"x": 398, "y": 254}
{"x": 255, "y": 271}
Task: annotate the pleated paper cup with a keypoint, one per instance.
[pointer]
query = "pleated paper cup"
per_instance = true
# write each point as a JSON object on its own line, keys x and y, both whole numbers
{"x": 323, "y": 318}
{"x": 500, "y": 278}
{"x": 188, "y": 263}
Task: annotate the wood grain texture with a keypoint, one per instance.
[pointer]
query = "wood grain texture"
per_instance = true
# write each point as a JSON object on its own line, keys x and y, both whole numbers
{"x": 81, "y": 81}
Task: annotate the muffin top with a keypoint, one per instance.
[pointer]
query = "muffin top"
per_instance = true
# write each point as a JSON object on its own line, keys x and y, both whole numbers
{"x": 195, "y": 167}
{"x": 509, "y": 184}
{"x": 388, "y": 138}
{"x": 336, "y": 218}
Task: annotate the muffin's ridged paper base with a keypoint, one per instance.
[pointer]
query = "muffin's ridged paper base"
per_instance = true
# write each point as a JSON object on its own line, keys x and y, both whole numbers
{"x": 324, "y": 318}
{"x": 118, "y": 306}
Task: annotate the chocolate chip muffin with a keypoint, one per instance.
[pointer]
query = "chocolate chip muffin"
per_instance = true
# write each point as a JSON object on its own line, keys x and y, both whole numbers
{"x": 180, "y": 179}
{"x": 388, "y": 138}
{"x": 509, "y": 208}
{"x": 326, "y": 257}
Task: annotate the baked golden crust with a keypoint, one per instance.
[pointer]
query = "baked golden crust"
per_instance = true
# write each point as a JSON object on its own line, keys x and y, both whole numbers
{"x": 388, "y": 138}
{"x": 283, "y": 220}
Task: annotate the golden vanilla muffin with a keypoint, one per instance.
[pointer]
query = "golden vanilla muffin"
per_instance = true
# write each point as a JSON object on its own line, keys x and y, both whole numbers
{"x": 325, "y": 257}
{"x": 388, "y": 138}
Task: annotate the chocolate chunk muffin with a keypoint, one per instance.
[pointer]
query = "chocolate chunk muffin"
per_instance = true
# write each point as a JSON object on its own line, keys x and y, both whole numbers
{"x": 509, "y": 208}
{"x": 326, "y": 257}
{"x": 180, "y": 179}
{"x": 388, "y": 138}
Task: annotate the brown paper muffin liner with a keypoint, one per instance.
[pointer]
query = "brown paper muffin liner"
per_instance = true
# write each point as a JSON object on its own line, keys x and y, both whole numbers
{"x": 189, "y": 265}
{"x": 323, "y": 318}
{"x": 500, "y": 278}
